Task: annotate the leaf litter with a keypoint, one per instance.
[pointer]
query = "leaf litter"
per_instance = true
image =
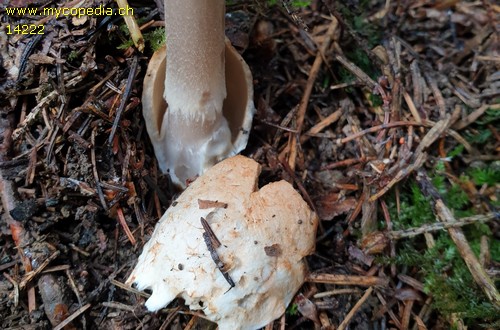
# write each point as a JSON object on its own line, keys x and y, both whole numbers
{"x": 361, "y": 105}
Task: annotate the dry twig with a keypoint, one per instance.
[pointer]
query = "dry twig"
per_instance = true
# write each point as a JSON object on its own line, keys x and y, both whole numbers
{"x": 304, "y": 102}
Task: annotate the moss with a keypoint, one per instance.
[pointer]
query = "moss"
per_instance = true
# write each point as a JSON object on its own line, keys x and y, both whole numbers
{"x": 488, "y": 175}
{"x": 293, "y": 3}
{"x": 126, "y": 44}
{"x": 292, "y": 309}
{"x": 489, "y": 117}
{"x": 415, "y": 208}
{"x": 376, "y": 100}
{"x": 447, "y": 278}
{"x": 442, "y": 270}
{"x": 457, "y": 151}
{"x": 356, "y": 18}
{"x": 154, "y": 39}
{"x": 479, "y": 132}
{"x": 73, "y": 55}
{"x": 361, "y": 59}
{"x": 478, "y": 136}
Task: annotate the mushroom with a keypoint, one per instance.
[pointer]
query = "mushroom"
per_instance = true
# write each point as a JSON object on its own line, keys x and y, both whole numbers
{"x": 207, "y": 87}
{"x": 229, "y": 249}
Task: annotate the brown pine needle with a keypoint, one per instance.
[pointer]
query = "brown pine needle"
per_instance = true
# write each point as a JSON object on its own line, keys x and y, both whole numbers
{"x": 353, "y": 311}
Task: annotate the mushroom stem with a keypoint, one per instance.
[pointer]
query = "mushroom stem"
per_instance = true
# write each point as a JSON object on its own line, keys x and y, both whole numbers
{"x": 195, "y": 70}
{"x": 195, "y": 86}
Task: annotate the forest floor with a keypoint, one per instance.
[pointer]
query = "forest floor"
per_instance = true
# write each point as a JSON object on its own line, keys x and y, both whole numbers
{"x": 384, "y": 115}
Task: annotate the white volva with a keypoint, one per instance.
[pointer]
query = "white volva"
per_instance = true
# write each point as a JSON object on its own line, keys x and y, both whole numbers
{"x": 264, "y": 236}
{"x": 198, "y": 126}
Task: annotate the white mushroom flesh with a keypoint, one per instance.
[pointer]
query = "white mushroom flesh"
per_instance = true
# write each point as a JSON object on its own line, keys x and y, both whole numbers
{"x": 264, "y": 236}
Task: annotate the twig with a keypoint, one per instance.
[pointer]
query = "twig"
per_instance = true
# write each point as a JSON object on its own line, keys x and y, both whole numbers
{"x": 303, "y": 190}
{"x": 348, "y": 280}
{"x": 412, "y": 107}
{"x": 377, "y": 128}
{"x": 192, "y": 322}
{"x": 28, "y": 50}
{"x": 213, "y": 243}
{"x": 477, "y": 271}
{"x": 28, "y": 277}
{"x": 133, "y": 27}
{"x": 126, "y": 94}
{"x": 427, "y": 228}
{"x": 72, "y": 317}
{"x": 387, "y": 308}
{"x": 346, "y": 162}
{"x": 336, "y": 292}
{"x": 313, "y": 74}
{"x": 16, "y": 288}
{"x": 118, "y": 305}
{"x": 20, "y": 236}
{"x": 437, "y": 95}
{"x": 128, "y": 288}
{"x": 171, "y": 316}
{"x": 123, "y": 222}
{"x": 79, "y": 250}
{"x": 474, "y": 115}
{"x": 287, "y": 129}
{"x": 418, "y": 158}
{"x": 405, "y": 319}
{"x": 330, "y": 119}
{"x": 7, "y": 265}
{"x": 208, "y": 204}
{"x": 353, "y": 311}
{"x": 36, "y": 110}
{"x": 73, "y": 135}
{"x": 110, "y": 75}
{"x": 72, "y": 284}
{"x": 418, "y": 161}
{"x": 355, "y": 70}
{"x": 94, "y": 171}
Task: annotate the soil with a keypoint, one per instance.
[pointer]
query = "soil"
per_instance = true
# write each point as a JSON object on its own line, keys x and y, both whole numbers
{"x": 354, "y": 101}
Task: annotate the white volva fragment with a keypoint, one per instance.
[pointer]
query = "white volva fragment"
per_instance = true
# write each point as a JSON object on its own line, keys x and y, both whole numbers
{"x": 264, "y": 236}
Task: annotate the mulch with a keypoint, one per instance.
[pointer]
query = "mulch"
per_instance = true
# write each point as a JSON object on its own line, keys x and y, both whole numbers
{"x": 353, "y": 100}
